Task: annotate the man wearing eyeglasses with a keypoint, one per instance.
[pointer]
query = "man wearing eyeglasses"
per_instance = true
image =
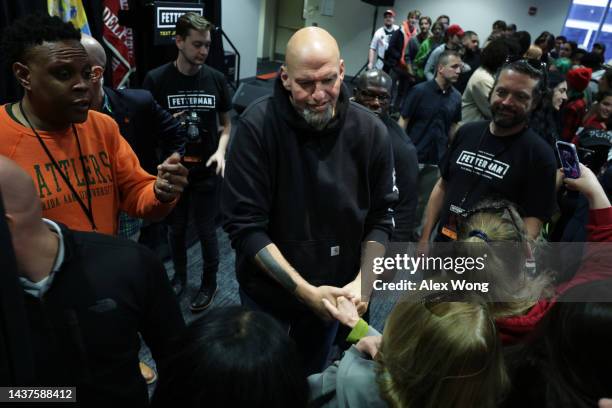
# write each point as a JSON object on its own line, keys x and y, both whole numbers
{"x": 373, "y": 91}
{"x": 501, "y": 158}
{"x": 142, "y": 122}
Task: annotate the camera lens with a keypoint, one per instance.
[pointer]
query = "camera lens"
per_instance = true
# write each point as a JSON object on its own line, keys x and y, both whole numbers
{"x": 192, "y": 132}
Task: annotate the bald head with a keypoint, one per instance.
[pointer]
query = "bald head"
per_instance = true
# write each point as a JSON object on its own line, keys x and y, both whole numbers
{"x": 311, "y": 43}
{"x": 29, "y": 234}
{"x": 97, "y": 58}
{"x": 374, "y": 91}
{"x": 374, "y": 78}
{"x": 313, "y": 75}
{"x": 96, "y": 52}
{"x": 19, "y": 195}
{"x": 21, "y": 201}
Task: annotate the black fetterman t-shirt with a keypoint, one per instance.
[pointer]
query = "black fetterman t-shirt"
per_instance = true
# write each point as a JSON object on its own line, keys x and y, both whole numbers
{"x": 520, "y": 168}
{"x": 205, "y": 93}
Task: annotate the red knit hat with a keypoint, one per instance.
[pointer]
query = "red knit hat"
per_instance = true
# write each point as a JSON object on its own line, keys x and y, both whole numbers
{"x": 578, "y": 78}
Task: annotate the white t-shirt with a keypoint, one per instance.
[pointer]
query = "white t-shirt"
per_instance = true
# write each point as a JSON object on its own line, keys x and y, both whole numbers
{"x": 380, "y": 42}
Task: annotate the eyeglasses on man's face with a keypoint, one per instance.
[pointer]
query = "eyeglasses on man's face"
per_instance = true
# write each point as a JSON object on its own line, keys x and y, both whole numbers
{"x": 367, "y": 95}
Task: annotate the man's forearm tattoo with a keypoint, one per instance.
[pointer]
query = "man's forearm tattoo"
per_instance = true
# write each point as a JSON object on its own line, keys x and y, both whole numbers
{"x": 274, "y": 269}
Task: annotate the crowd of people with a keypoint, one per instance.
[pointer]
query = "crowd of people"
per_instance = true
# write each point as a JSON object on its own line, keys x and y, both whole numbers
{"x": 439, "y": 141}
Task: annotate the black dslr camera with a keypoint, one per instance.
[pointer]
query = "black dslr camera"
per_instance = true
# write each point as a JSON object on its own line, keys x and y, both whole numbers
{"x": 191, "y": 122}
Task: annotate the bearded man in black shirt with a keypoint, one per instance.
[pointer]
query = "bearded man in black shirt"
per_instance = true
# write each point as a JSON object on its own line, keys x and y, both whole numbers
{"x": 497, "y": 159}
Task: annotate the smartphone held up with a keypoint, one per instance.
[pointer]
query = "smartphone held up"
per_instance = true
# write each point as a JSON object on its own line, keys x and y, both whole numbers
{"x": 569, "y": 159}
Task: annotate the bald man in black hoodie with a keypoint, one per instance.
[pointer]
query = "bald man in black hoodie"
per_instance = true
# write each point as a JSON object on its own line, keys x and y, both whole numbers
{"x": 309, "y": 178}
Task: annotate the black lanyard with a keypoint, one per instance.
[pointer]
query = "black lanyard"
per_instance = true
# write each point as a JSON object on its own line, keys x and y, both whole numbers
{"x": 477, "y": 175}
{"x": 88, "y": 210}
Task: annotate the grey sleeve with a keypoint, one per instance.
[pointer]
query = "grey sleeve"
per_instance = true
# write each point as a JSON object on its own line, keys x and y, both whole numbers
{"x": 351, "y": 382}
{"x": 323, "y": 387}
{"x": 372, "y": 332}
{"x": 430, "y": 66}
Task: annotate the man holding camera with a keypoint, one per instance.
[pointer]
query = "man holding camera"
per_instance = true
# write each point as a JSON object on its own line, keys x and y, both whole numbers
{"x": 197, "y": 95}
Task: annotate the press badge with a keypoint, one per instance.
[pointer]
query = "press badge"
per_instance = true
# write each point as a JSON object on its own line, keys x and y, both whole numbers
{"x": 450, "y": 229}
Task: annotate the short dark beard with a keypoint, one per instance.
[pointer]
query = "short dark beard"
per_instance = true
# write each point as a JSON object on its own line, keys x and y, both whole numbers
{"x": 505, "y": 122}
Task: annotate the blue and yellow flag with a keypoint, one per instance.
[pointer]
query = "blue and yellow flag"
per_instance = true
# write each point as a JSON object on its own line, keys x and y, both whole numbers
{"x": 70, "y": 10}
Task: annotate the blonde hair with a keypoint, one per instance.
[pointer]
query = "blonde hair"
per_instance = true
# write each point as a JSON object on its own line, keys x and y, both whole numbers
{"x": 444, "y": 354}
{"x": 533, "y": 52}
{"x": 502, "y": 226}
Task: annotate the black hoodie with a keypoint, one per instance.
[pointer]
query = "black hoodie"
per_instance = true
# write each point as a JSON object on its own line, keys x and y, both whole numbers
{"x": 317, "y": 195}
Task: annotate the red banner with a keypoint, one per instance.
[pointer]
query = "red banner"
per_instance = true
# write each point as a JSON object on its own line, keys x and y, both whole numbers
{"x": 120, "y": 40}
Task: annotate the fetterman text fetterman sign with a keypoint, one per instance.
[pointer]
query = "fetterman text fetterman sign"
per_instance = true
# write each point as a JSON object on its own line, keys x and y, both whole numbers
{"x": 166, "y": 16}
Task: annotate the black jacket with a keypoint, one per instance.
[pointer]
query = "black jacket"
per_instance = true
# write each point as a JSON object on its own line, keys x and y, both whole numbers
{"x": 393, "y": 54}
{"x": 317, "y": 195}
{"x": 85, "y": 328}
{"x": 473, "y": 60}
{"x": 150, "y": 130}
{"x": 394, "y": 51}
{"x": 406, "y": 176}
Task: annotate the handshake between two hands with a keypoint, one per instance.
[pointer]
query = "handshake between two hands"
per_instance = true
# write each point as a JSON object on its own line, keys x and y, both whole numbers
{"x": 347, "y": 311}
{"x": 342, "y": 304}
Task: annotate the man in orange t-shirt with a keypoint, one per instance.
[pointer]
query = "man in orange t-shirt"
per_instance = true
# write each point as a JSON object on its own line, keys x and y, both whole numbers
{"x": 85, "y": 172}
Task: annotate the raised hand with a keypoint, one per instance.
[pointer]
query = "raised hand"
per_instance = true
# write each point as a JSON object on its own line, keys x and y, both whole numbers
{"x": 219, "y": 159}
{"x": 588, "y": 185}
{"x": 171, "y": 179}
